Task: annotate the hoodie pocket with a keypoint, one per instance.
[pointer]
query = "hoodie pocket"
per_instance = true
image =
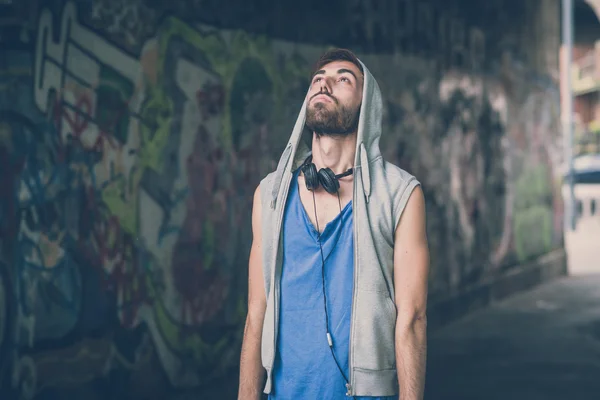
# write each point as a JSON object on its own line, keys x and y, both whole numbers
{"x": 375, "y": 322}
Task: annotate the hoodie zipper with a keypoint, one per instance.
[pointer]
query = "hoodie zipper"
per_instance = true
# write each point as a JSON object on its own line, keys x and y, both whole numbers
{"x": 352, "y": 311}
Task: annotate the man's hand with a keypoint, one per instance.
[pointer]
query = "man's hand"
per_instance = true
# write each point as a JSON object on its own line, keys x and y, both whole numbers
{"x": 411, "y": 270}
{"x": 251, "y": 370}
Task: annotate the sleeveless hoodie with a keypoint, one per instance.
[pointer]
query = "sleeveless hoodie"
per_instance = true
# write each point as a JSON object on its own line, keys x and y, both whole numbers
{"x": 381, "y": 191}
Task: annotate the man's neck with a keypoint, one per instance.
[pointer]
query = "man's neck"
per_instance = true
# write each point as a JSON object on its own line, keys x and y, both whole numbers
{"x": 335, "y": 152}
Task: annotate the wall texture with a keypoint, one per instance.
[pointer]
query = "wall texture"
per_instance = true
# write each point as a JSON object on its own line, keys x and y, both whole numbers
{"x": 133, "y": 134}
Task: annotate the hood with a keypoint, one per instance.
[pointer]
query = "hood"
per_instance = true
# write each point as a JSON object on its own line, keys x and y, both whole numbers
{"x": 367, "y": 140}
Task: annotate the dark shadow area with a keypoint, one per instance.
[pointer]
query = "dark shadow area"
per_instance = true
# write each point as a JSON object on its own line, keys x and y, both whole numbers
{"x": 586, "y": 24}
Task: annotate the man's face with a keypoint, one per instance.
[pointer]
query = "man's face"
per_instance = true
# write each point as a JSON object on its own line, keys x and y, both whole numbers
{"x": 334, "y": 99}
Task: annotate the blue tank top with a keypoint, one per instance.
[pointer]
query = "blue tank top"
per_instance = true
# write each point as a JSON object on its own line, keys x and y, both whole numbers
{"x": 304, "y": 367}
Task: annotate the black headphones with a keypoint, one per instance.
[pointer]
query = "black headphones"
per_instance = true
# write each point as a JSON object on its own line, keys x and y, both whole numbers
{"x": 324, "y": 177}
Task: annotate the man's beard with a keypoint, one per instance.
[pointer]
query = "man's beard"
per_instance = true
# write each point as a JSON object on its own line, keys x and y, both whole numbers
{"x": 340, "y": 121}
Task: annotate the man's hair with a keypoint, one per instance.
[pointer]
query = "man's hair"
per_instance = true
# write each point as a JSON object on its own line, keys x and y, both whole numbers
{"x": 337, "y": 55}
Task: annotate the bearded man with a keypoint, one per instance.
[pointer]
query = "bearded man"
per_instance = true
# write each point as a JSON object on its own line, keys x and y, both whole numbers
{"x": 339, "y": 261}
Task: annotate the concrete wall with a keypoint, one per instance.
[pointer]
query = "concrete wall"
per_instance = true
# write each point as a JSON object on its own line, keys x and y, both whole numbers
{"x": 133, "y": 134}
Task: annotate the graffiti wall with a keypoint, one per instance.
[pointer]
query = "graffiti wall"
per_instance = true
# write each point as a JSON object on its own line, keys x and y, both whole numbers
{"x": 130, "y": 148}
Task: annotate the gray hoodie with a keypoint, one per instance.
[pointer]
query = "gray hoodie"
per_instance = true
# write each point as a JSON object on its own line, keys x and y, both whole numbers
{"x": 381, "y": 191}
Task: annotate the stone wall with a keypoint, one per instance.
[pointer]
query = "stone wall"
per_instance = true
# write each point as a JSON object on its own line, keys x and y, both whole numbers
{"x": 133, "y": 134}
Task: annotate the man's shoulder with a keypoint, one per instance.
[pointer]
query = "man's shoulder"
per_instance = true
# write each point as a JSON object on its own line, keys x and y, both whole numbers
{"x": 266, "y": 189}
{"x": 401, "y": 184}
{"x": 395, "y": 176}
{"x": 267, "y": 180}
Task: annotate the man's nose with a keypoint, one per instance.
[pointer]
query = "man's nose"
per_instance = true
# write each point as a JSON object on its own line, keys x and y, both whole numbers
{"x": 325, "y": 85}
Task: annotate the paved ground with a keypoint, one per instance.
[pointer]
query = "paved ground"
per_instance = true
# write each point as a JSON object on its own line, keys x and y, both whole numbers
{"x": 543, "y": 344}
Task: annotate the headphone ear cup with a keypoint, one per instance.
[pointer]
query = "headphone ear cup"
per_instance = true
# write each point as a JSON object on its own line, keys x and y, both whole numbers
{"x": 328, "y": 180}
{"x": 311, "y": 177}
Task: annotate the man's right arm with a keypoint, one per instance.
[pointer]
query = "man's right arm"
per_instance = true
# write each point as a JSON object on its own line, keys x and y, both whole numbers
{"x": 251, "y": 369}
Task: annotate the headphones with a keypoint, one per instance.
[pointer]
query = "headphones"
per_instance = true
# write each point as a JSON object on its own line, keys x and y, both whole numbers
{"x": 324, "y": 177}
{"x": 329, "y": 180}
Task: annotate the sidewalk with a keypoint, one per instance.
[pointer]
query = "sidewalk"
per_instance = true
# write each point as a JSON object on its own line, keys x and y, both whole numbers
{"x": 540, "y": 345}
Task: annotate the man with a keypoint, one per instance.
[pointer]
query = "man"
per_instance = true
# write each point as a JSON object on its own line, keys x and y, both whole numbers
{"x": 339, "y": 261}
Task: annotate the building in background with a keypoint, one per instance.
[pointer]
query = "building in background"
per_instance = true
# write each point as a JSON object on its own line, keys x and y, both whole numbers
{"x": 586, "y": 92}
{"x": 585, "y": 78}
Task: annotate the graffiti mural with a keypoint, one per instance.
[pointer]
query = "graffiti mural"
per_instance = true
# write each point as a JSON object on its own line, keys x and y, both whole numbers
{"x": 126, "y": 177}
{"x": 130, "y": 152}
{"x": 489, "y": 164}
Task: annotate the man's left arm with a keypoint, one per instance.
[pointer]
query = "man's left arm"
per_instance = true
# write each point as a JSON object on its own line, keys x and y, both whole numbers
{"x": 411, "y": 270}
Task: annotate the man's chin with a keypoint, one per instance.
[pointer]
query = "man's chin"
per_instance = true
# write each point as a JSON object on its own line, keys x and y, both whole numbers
{"x": 332, "y": 131}
{"x": 321, "y": 104}
{"x": 320, "y": 111}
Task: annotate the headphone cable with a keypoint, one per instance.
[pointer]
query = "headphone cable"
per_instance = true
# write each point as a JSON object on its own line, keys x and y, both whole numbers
{"x": 329, "y": 337}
